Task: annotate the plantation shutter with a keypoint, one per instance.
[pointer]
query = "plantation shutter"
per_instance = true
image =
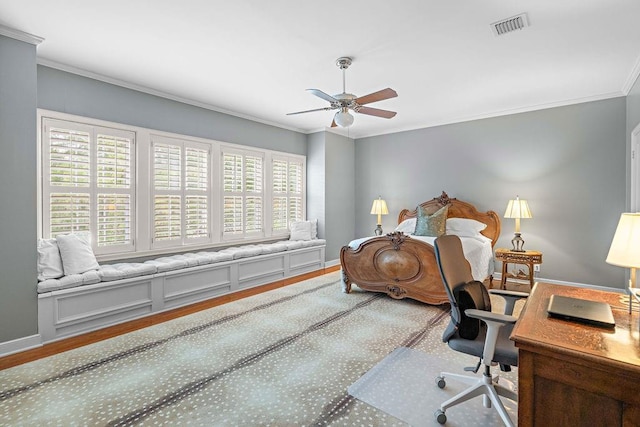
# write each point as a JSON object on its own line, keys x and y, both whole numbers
{"x": 181, "y": 192}
{"x": 69, "y": 167}
{"x": 196, "y": 193}
{"x": 167, "y": 204}
{"x": 295, "y": 192}
{"x": 87, "y": 183}
{"x": 253, "y": 188}
{"x": 280, "y": 201}
{"x": 243, "y": 194}
{"x": 115, "y": 190}
{"x": 287, "y": 196}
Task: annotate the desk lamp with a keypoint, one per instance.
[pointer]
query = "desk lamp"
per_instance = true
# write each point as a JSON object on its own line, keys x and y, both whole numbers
{"x": 379, "y": 208}
{"x": 625, "y": 250}
{"x": 518, "y": 209}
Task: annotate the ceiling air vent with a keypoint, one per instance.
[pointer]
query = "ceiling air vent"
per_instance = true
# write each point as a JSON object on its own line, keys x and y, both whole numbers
{"x": 508, "y": 25}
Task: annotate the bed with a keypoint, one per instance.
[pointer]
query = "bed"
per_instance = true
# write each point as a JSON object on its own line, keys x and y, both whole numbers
{"x": 404, "y": 266}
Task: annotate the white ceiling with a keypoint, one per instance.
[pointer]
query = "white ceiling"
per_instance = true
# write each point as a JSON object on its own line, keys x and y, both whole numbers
{"x": 255, "y": 58}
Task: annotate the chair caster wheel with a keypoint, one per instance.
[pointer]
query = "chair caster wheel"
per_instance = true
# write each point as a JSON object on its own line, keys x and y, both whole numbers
{"x": 441, "y": 418}
{"x": 440, "y": 382}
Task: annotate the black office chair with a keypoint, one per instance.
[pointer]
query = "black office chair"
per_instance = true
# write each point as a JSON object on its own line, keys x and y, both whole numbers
{"x": 476, "y": 331}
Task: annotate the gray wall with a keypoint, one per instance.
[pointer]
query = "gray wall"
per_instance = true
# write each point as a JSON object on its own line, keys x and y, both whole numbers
{"x": 568, "y": 162}
{"x": 339, "y": 193}
{"x": 74, "y": 94}
{"x": 316, "y": 181}
{"x": 633, "y": 107}
{"x": 18, "y": 97}
{"x": 330, "y": 189}
{"x": 633, "y": 119}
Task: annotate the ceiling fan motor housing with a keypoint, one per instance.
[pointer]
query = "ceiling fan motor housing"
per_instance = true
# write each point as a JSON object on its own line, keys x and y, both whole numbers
{"x": 343, "y": 62}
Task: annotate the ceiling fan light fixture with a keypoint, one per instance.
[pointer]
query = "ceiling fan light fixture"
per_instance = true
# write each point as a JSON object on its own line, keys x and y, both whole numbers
{"x": 343, "y": 118}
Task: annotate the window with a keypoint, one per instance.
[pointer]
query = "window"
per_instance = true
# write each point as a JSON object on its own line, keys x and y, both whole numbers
{"x": 180, "y": 194}
{"x": 242, "y": 193}
{"x": 87, "y": 183}
{"x": 141, "y": 192}
{"x": 288, "y": 184}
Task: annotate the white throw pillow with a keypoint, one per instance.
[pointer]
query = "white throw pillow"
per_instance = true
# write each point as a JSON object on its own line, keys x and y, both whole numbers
{"x": 408, "y": 226}
{"x": 49, "y": 261}
{"x": 77, "y": 256}
{"x": 314, "y": 228}
{"x": 300, "y": 230}
{"x": 464, "y": 227}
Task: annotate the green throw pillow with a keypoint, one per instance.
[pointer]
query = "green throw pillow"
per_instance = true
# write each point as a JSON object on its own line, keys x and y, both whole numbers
{"x": 433, "y": 225}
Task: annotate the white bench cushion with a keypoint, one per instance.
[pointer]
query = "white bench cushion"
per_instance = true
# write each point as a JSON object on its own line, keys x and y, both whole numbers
{"x": 164, "y": 264}
{"x": 70, "y": 281}
{"x": 125, "y": 270}
{"x": 243, "y": 251}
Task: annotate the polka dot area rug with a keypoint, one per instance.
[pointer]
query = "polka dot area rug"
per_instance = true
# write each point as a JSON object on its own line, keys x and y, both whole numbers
{"x": 281, "y": 358}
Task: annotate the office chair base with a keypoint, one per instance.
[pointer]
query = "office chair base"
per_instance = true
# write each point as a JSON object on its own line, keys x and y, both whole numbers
{"x": 488, "y": 387}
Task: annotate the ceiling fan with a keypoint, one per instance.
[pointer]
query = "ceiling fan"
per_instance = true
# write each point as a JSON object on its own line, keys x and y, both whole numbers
{"x": 346, "y": 101}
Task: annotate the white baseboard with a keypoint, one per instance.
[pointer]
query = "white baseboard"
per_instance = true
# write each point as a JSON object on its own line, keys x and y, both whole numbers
{"x": 20, "y": 344}
{"x": 331, "y": 263}
{"x": 498, "y": 276}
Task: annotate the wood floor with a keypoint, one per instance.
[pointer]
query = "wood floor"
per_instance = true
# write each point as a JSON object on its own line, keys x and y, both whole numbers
{"x": 123, "y": 328}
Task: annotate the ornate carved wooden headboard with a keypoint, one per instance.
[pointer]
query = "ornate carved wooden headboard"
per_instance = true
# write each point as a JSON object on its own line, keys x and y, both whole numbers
{"x": 459, "y": 209}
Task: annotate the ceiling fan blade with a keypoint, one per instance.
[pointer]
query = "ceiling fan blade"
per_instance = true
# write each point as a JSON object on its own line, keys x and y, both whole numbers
{"x": 376, "y": 112}
{"x": 310, "y": 111}
{"x": 377, "y": 96}
{"x": 321, "y": 94}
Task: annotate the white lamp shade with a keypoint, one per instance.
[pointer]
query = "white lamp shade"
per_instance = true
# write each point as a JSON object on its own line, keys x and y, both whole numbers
{"x": 518, "y": 208}
{"x": 625, "y": 247}
{"x": 379, "y": 207}
{"x": 343, "y": 119}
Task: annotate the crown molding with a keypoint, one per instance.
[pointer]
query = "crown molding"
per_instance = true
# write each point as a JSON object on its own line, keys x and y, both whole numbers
{"x": 139, "y": 88}
{"x": 631, "y": 79}
{"x": 20, "y": 35}
{"x": 353, "y": 134}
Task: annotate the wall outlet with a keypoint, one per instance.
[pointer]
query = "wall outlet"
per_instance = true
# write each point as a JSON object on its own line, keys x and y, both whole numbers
{"x": 536, "y": 268}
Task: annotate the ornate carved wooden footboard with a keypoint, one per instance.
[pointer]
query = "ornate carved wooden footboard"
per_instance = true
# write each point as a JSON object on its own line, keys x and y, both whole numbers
{"x": 403, "y": 267}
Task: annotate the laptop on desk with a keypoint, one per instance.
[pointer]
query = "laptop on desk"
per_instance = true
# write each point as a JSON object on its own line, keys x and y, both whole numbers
{"x": 585, "y": 311}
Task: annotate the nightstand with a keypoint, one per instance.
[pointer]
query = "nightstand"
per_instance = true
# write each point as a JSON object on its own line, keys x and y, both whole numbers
{"x": 528, "y": 258}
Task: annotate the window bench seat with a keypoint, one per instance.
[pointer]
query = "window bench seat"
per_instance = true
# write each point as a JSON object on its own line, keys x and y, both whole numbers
{"x": 116, "y": 293}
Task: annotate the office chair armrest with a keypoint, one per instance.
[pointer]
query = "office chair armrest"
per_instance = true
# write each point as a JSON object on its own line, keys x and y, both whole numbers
{"x": 504, "y": 292}
{"x": 510, "y": 298}
{"x": 488, "y": 316}
{"x": 494, "y": 322}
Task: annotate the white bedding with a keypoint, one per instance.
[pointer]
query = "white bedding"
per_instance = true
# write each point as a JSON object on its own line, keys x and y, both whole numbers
{"x": 477, "y": 250}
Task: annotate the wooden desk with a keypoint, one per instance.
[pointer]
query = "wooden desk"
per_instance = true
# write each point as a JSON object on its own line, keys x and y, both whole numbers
{"x": 571, "y": 374}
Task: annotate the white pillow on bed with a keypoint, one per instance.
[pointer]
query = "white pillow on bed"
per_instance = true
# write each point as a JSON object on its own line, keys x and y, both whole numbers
{"x": 464, "y": 227}
{"x": 408, "y": 226}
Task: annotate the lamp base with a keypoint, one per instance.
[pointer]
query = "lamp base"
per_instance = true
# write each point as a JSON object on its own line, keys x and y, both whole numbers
{"x": 378, "y": 230}
{"x": 518, "y": 243}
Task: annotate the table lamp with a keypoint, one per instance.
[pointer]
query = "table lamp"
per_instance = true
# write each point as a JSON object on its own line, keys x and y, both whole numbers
{"x": 625, "y": 249}
{"x": 518, "y": 209}
{"x": 379, "y": 208}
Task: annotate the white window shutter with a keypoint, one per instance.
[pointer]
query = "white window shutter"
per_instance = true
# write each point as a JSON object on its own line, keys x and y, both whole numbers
{"x": 87, "y": 174}
{"x": 243, "y": 194}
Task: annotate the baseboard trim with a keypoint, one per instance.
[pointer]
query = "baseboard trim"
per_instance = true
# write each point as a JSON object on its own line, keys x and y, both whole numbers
{"x": 21, "y": 344}
{"x": 498, "y": 276}
{"x": 332, "y": 263}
